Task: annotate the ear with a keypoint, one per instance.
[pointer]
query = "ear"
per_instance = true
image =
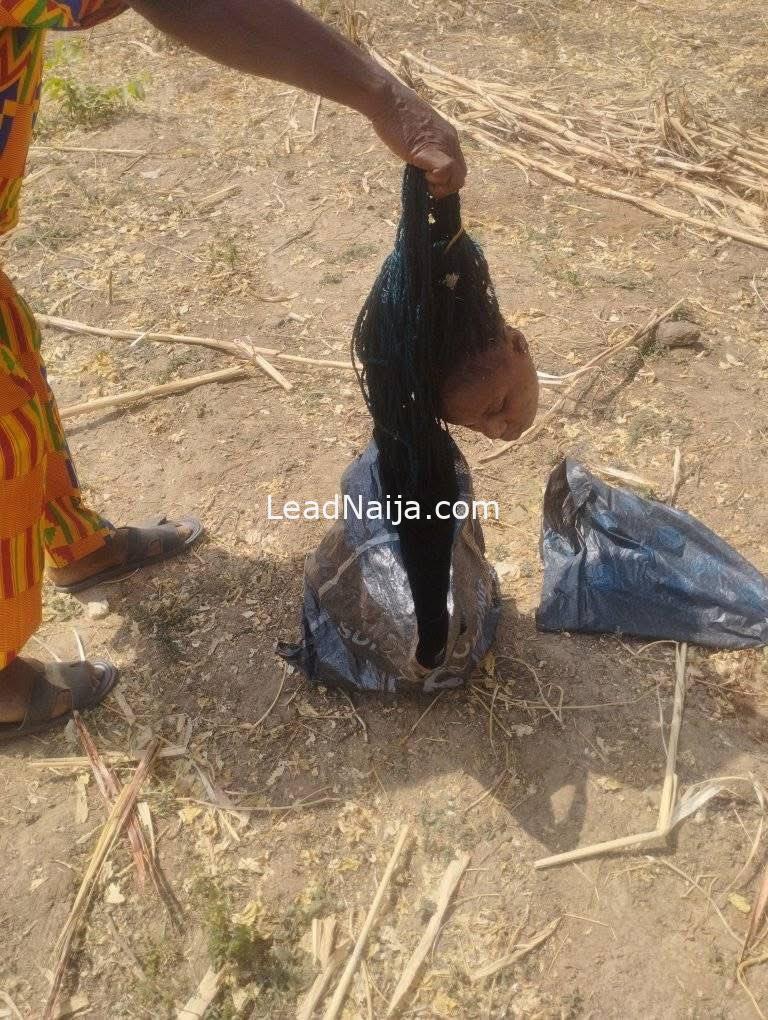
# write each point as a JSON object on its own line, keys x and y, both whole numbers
{"x": 516, "y": 339}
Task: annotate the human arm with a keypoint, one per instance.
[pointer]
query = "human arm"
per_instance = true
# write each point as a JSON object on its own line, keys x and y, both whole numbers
{"x": 279, "y": 39}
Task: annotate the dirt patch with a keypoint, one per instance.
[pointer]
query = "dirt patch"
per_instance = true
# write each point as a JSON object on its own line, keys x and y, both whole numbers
{"x": 119, "y": 240}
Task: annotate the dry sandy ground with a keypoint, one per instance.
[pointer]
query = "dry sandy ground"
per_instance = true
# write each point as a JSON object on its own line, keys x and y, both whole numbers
{"x": 123, "y": 241}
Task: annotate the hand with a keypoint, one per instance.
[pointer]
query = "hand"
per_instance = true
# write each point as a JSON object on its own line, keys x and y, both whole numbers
{"x": 419, "y": 135}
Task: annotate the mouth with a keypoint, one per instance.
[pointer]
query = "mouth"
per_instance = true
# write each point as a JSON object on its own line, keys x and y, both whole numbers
{"x": 513, "y": 432}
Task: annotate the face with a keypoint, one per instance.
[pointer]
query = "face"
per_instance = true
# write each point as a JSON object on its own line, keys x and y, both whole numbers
{"x": 497, "y": 393}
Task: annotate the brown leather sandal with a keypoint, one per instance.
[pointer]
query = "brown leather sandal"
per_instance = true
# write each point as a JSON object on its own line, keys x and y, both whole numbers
{"x": 54, "y": 680}
{"x": 152, "y": 541}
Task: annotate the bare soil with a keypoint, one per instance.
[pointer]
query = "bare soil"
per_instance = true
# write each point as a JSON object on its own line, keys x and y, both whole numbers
{"x": 120, "y": 240}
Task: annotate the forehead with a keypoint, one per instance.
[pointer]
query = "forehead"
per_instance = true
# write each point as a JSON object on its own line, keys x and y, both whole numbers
{"x": 483, "y": 377}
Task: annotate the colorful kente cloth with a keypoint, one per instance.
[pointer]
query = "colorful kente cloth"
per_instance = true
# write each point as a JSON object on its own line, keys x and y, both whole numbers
{"x": 22, "y": 34}
{"x": 41, "y": 512}
{"x": 42, "y": 515}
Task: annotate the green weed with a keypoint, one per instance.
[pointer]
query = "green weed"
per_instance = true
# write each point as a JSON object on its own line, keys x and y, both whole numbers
{"x": 224, "y": 252}
{"x": 356, "y": 253}
{"x": 83, "y": 104}
{"x": 248, "y": 948}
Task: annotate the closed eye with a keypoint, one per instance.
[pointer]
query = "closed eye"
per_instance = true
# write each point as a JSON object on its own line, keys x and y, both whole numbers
{"x": 497, "y": 410}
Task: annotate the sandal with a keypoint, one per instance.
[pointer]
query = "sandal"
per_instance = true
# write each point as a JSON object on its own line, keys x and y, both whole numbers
{"x": 153, "y": 541}
{"x": 55, "y": 680}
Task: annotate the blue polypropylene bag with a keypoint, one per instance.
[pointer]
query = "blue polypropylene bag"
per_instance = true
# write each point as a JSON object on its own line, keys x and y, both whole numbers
{"x": 615, "y": 562}
{"x": 359, "y": 627}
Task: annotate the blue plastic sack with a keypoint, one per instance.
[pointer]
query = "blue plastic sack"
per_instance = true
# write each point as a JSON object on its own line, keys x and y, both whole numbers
{"x": 615, "y": 562}
{"x": 359, "y": 629}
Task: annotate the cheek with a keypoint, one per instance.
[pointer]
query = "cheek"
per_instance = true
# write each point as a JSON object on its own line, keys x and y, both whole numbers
{"x": 526, "y": 403}
{"x": 493, "y": 428}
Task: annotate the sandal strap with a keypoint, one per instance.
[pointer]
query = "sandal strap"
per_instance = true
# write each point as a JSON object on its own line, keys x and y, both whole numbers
{"x": 43, "y": 699}
{"x": 151, "y": 539}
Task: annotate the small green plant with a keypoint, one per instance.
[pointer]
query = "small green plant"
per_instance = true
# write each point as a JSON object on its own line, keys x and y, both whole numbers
{"x": 224, "y": 252}
{"x": 158, "y": 958}
{"x": 63, "y": 53}
{"x": 86, "y": 105}
{"x": 357, "y": 252}
{"x": 573, "y": 277}
{"x": 642, "y": 424}
{"x": 247, "y": 947}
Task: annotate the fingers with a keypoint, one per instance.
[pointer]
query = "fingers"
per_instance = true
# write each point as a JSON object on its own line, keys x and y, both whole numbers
{"x": 445, "y": 172}
{"x": 419, "y": 135}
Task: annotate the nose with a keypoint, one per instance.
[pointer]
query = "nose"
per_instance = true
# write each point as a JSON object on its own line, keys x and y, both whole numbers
{"x": 495, "y": 431}
{"x": 512, "y": 432}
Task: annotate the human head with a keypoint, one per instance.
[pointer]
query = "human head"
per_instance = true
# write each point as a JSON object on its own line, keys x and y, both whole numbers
{"x": 429, "y": 337}
{"x": 495, "y": 392}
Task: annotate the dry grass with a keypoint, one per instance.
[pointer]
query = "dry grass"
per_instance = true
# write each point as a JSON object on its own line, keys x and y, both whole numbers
{"x": 271, "y": 811}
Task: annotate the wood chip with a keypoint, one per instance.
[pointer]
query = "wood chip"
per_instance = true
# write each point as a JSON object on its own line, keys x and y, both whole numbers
{"x": 121, "y": 812}
{"x": 337, "y": 1001}
{"x": 204, "y": 997}
{"x": 217, "y": 196}
{"x": 522, "y": 950}
{"x": 448, "y": 885}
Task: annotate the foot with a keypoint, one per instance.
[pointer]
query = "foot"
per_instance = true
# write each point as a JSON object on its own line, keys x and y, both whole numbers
{"x": 40, "y": 693}
{"x": 126, "y": 550}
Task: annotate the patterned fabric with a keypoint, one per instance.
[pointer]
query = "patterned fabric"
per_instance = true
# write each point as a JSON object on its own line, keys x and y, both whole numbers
{"x": 42, "y": 515}
{"x": 22, "y": 25}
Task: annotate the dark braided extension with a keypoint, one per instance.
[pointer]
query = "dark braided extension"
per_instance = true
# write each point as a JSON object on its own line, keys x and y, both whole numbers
{"x": 431, "y": 309}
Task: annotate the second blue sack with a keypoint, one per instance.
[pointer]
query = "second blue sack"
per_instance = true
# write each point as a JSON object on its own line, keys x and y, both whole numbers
{"x": 617, "y": 563}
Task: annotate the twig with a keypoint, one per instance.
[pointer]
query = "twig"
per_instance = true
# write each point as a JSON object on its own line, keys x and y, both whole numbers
{"x": 297, "y": 237}
{"x": 669, "y": 789}
{"x": 109, "y": 788}
{"x": 448, "y": 886}
{"x": 363, "y": 724}
{"x": 557, "y": 716}
{"x": 272, "y": 372}
{"x": 758, "y": 295}
{"x": 218, "y": 196}
{"x": 299, "y": 805}
{"x": 121, "y": 812}
{"x": 83, "y": 148}
{"x": 486, "y": 793}
{"x": 506, "y": 961}
{"x": 206, "y": 993}
{"x": 337, "y": 1001}
{"x": 677, "y": 478}
{"x": 576, "y": 375}
{"x": 10, "y": 1004}
{"x": 667, "y": 800}
{"x": 226, "y": 346}
{"x": 275, "y": 700}
{"x": 276, "y": 299}
{"x": 143, "y": 850}
{"x": 596, "y": 850}
{"x": 695, "y": 885}
{"x": 315, "y": 114}
{"x": 741, "y": 977}
{"x": 423, "y": 715}
{"x": 757, "y": 917}
{"x": 315, "y": 994}
{"x": 152, "y": 392}
{"x": 126, "y": 947}
{"x": 77, "y": 762}
{"x": 366, "y": 979}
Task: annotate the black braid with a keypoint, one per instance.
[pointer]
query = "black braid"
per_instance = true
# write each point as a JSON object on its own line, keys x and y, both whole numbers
{"x": 431, "y": 309}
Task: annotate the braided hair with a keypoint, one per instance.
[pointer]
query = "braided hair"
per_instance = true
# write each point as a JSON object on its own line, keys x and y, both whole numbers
{"x": 431, "y": 309}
